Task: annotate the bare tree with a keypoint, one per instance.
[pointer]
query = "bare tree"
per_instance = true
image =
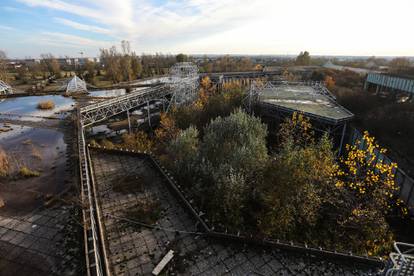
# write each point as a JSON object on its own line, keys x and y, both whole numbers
{"x": 3, "y": 66}
{"x": 50, "y": 64}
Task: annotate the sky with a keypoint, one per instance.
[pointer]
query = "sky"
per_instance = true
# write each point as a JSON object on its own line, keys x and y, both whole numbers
{"x": 29, "y": 28}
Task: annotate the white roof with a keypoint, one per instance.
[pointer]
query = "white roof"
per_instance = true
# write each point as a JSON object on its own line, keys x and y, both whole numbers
{"x": 76, "y": 85}
{"x": 4, "y": 86}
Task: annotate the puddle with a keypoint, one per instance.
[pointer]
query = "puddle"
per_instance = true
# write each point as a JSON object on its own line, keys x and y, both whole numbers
{"x": 25, "y": 108}
{"x": 107, "y": 93}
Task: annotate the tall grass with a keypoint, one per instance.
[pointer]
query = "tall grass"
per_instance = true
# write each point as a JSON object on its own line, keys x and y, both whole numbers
{"x": 4, "y": 163}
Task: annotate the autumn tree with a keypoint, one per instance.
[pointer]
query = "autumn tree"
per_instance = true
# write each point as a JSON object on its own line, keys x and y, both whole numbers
{"x": 399, "y": 63}
{"x": 181, "y": 58}
{"x": 167, "y": 130}
{"x": 303, "y": 58}
{"x": 368, "y": 195}
{"x": 90, "y": 71}
{"x": 296, "y": 130}
{"x": 138, "y": 141}
{"x": 329, "y": 82}
{"x": 50, "y": 64}
{"x": 3, "y": 66}
{"x": 295, "y": 188}
{"x": 111, "y": 63}
{"x": 296, "y": 180}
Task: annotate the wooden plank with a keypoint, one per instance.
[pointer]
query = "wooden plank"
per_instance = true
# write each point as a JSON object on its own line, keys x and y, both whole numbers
{"x": 160, "y": 266}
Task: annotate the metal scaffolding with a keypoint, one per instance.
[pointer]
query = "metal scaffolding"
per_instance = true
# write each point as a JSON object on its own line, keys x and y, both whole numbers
{"x": 5, "y": 89}
{"x": 184, "y": 82}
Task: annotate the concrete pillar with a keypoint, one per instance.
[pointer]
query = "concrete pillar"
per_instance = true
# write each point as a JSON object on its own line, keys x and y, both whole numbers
{"x": 129, "y": 122}
{"x": 149, "y": 114}
{"x": 342, "y": 140}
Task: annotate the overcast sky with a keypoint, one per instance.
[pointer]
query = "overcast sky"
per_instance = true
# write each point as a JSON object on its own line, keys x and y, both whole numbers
{"x": 323, "y": 27}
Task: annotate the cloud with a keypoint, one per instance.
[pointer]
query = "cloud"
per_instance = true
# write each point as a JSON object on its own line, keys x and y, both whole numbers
{"x": 6, "y": 28}
{"x": 143, "y": 22}
{"x": 245, "y": 26}
{"x": 67, "y": 40}
{"x": 82, "y": 27}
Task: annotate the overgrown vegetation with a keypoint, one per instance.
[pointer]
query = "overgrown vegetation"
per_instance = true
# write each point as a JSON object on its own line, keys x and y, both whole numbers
{"x": 391, "y": 121}
{"x": 146, "y": 211}
{"x": 299, "y": 191}
{"x": 4, "y": 163}
{"x": 27, "y": 172}
{"x": 49, "y": 104}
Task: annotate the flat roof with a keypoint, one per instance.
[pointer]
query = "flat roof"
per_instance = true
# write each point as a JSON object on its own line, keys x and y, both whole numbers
{"x": 305, "y": 98}
{"x": 136, "y": 250}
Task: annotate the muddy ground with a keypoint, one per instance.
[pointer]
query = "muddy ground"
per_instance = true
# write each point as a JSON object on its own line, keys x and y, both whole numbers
{"x": 40, "y": 224}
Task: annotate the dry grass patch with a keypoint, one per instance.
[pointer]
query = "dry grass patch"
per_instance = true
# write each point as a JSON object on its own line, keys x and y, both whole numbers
{"x": 49, "y": 104}
{"x": 26, "y": 172}
{"x": 4, "y": 163}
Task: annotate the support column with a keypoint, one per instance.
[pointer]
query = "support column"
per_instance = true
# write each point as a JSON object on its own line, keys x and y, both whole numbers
{"x": 129, "y": 122}
{"x": 149, "y": 114}
{"x": 342, "y": 140}
{"x": 365, "y": 85}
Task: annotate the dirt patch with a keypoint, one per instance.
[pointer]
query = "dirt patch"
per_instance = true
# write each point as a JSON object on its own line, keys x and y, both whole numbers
{"x": 130, "y": 184}
{"x": 147, "y": 211}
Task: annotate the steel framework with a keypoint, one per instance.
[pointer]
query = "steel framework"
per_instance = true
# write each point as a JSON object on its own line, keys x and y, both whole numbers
{"x": 402, "y": 261}
{"x": 184, "y": 82}
{"x": 257, "y": 88}
{"x": 98, "y": 112}
{"x": 5, "y": 89}
{"x": 76, "y": 85}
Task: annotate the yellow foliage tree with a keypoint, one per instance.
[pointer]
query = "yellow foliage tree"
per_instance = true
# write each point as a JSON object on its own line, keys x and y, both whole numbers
{"x": 137, "y": 141}
{"x": 167, "y": 130}
{"x": 298, "y": 129}
{"x": 369, "y": 193}
{"x": 329, "y": 82}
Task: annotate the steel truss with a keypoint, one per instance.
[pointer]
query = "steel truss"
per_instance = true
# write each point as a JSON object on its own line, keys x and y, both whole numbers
{"x": 332, "y": 126}
{"x": 182, "y": 88}
{"x": 184, "y": 81}
{"x": 5, "y": 89}
{"x": 257, "y": 88}
{"x": 76, "y": 85}
{"x": 101, "y": 111}
{"x": 402, "y": 261}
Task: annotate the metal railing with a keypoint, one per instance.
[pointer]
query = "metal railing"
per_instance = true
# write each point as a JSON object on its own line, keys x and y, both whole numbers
{"x": 92, "y": 244}
{"x": 401, "y": 261}
{"x": 101, "y": 111}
